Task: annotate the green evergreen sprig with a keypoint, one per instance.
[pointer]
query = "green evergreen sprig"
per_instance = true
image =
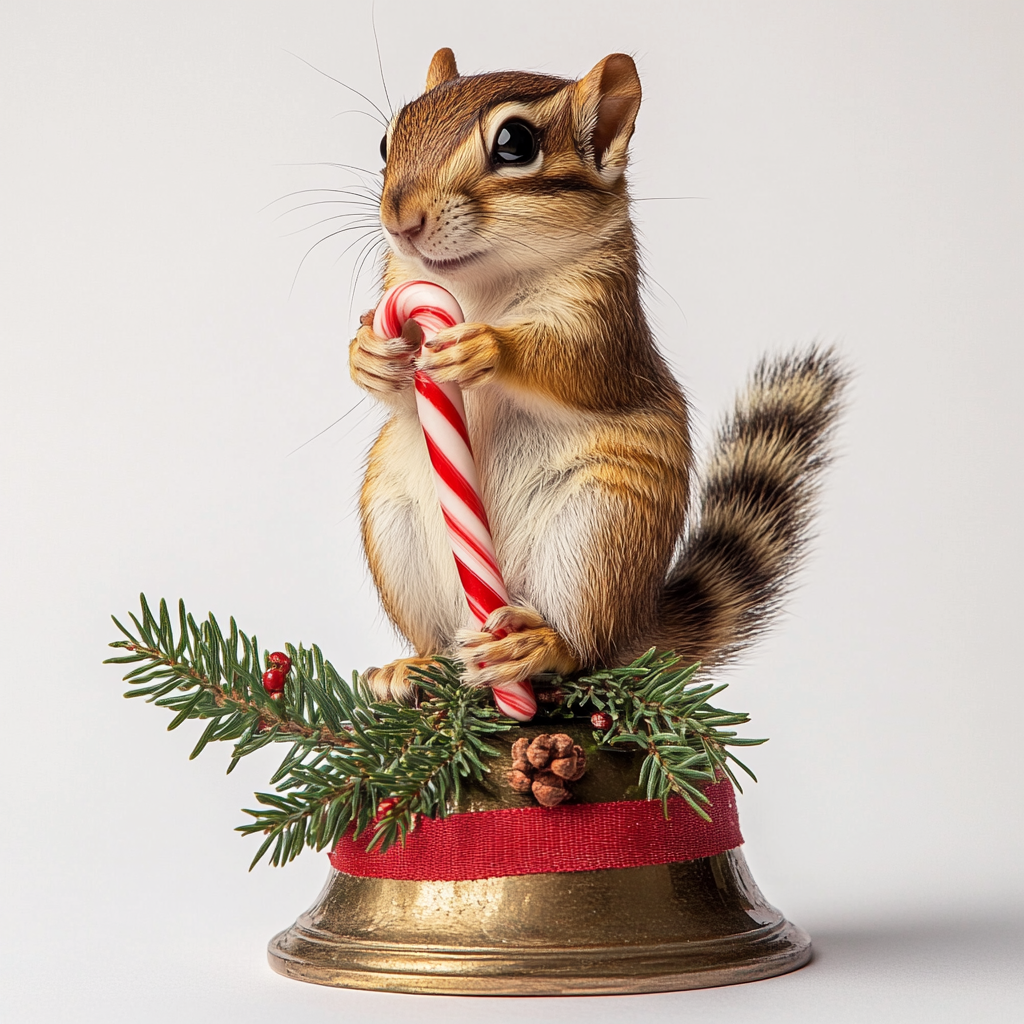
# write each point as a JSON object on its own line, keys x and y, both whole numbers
{"x": 653, "y": 706}
{"x": 348, "y": 752}
{"x": 415, "y": 758}
{"x": 357, "y": 763}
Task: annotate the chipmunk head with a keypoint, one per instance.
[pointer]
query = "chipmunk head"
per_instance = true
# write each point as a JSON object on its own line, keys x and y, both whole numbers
{"x": 509, "y": 173}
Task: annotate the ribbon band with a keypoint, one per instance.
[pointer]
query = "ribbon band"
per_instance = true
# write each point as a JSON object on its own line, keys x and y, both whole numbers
{"x": 539, "y": 840}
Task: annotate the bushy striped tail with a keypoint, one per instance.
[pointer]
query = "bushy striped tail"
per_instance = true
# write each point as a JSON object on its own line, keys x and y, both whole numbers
{"x": 756, "y": 504}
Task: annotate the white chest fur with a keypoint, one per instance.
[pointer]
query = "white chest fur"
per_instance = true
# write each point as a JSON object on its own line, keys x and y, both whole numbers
{"x": 526, "y": 456}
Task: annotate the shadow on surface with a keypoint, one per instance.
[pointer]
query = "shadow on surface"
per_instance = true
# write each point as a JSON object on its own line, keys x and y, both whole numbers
{"x": 996, "y": 941}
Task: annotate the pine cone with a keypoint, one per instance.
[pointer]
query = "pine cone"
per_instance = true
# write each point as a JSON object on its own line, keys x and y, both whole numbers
{"x": 545, "y": 766}
{"x": 549, "y": 790}
{"x": 548, "y": 747}
{"x": 562, "y": 745}
{"x": 519, "y": 781}
{"x": 538, "y": 753}
{"x": 572, "y": 767}
{"x": 519, "y": 761}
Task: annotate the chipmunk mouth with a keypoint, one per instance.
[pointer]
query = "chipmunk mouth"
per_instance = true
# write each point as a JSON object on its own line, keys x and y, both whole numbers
{"x": 447, "y": 266}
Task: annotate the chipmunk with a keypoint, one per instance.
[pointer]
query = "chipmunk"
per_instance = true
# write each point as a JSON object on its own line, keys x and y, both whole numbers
{"x": 508, "y": 189}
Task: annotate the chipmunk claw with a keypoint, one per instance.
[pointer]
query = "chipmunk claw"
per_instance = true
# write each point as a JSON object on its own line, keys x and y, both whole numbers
{"x": 515, "y": 643}
{"x": 466, "y": 354}
{"x": 384, "y": 365}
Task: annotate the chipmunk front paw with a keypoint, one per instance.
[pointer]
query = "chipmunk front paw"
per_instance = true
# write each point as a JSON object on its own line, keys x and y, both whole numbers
{"x": 394, "y": 681}
{"x": 514, "y": 644}
{"x": 384, "y": 365}
{"x": 466, "y": 354}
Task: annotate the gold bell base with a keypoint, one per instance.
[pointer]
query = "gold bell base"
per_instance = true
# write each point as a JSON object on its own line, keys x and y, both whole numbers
{"x": 650, "y": 929}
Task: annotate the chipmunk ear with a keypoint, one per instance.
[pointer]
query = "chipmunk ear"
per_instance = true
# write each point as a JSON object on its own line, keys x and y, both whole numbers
{"x": 605, "y": 104}
{"x": 442, "y": 68}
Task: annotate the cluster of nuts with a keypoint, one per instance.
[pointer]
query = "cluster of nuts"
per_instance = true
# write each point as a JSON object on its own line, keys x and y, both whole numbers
{"x": 545, "y": 766}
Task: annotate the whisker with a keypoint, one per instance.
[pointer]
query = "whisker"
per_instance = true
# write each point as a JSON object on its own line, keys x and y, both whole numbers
{"x": 365, "y": 113}
{"x": 668, "y": 294}
{"x": 307, "y": 191}
{"x": 315, "y": 245}
{"x": 341, "y": 216}
{"x": 369, "y": 412}
{"x": 370, "y": 235}
{"x": 363, "y": 203}
{"x": 331, "y": 163}
{"x": 380, "y": 64}
{"x": 373, "y": 248}
{"x": 332, "y": 202}
{"x": 367, "y": 251}
{"x": 328, "y": 427}
{"x": 338, "y": 81}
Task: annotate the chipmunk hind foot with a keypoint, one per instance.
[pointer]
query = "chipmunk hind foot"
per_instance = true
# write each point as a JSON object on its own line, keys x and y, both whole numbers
{"x": 396, "y": 681}
{"x": 515, "y": 643}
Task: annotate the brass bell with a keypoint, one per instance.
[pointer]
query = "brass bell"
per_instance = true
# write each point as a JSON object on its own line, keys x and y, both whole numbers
{"x": 654, "y": 928}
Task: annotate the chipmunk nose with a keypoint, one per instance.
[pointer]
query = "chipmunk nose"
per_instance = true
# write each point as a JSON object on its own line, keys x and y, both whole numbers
{"x": 407, "y": 225}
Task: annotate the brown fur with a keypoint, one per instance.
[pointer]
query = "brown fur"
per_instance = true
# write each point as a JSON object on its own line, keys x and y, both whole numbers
{"x": 755, "y": 509}
{"x": 580, "y": 431}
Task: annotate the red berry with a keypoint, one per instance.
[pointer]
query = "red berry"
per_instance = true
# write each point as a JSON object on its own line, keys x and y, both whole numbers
{"x": 273, "y": 680}
{"x": 280, "y": 660}
{"x": 601, "y": 720}
{"x": 385, "y": 805}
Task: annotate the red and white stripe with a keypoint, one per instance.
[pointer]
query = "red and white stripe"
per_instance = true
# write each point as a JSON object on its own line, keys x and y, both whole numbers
{"x": 443, "y": 418}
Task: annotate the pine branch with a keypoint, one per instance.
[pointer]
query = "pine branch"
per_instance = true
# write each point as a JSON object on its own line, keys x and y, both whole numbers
{"x": 347, "y": 753}
{"x": 355, "y": 764}
{"x": 415, "y": 759}
{"x": 653, "y": 706}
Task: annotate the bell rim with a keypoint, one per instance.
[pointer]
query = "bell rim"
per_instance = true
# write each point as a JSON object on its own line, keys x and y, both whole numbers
{"x": 765, "y": 952}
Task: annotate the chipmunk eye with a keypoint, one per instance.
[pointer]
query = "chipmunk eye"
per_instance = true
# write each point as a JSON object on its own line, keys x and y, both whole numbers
{"x": 515, "y": 143}
{"x": 384, "y": 149}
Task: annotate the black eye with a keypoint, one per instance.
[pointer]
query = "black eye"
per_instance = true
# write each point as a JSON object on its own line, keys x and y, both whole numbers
{"x": 384, "y": 149}
{"x": 515, "y": 143}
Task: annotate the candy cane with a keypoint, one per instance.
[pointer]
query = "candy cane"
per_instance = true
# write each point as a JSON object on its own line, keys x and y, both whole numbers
{"x": 443, "y": 418}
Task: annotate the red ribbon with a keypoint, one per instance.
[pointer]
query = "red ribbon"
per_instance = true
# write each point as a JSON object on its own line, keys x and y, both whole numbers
{"x": 537, "y": 840}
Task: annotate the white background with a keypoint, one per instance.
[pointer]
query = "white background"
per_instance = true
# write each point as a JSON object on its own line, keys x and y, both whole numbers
{"x": 858, "y": 168}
